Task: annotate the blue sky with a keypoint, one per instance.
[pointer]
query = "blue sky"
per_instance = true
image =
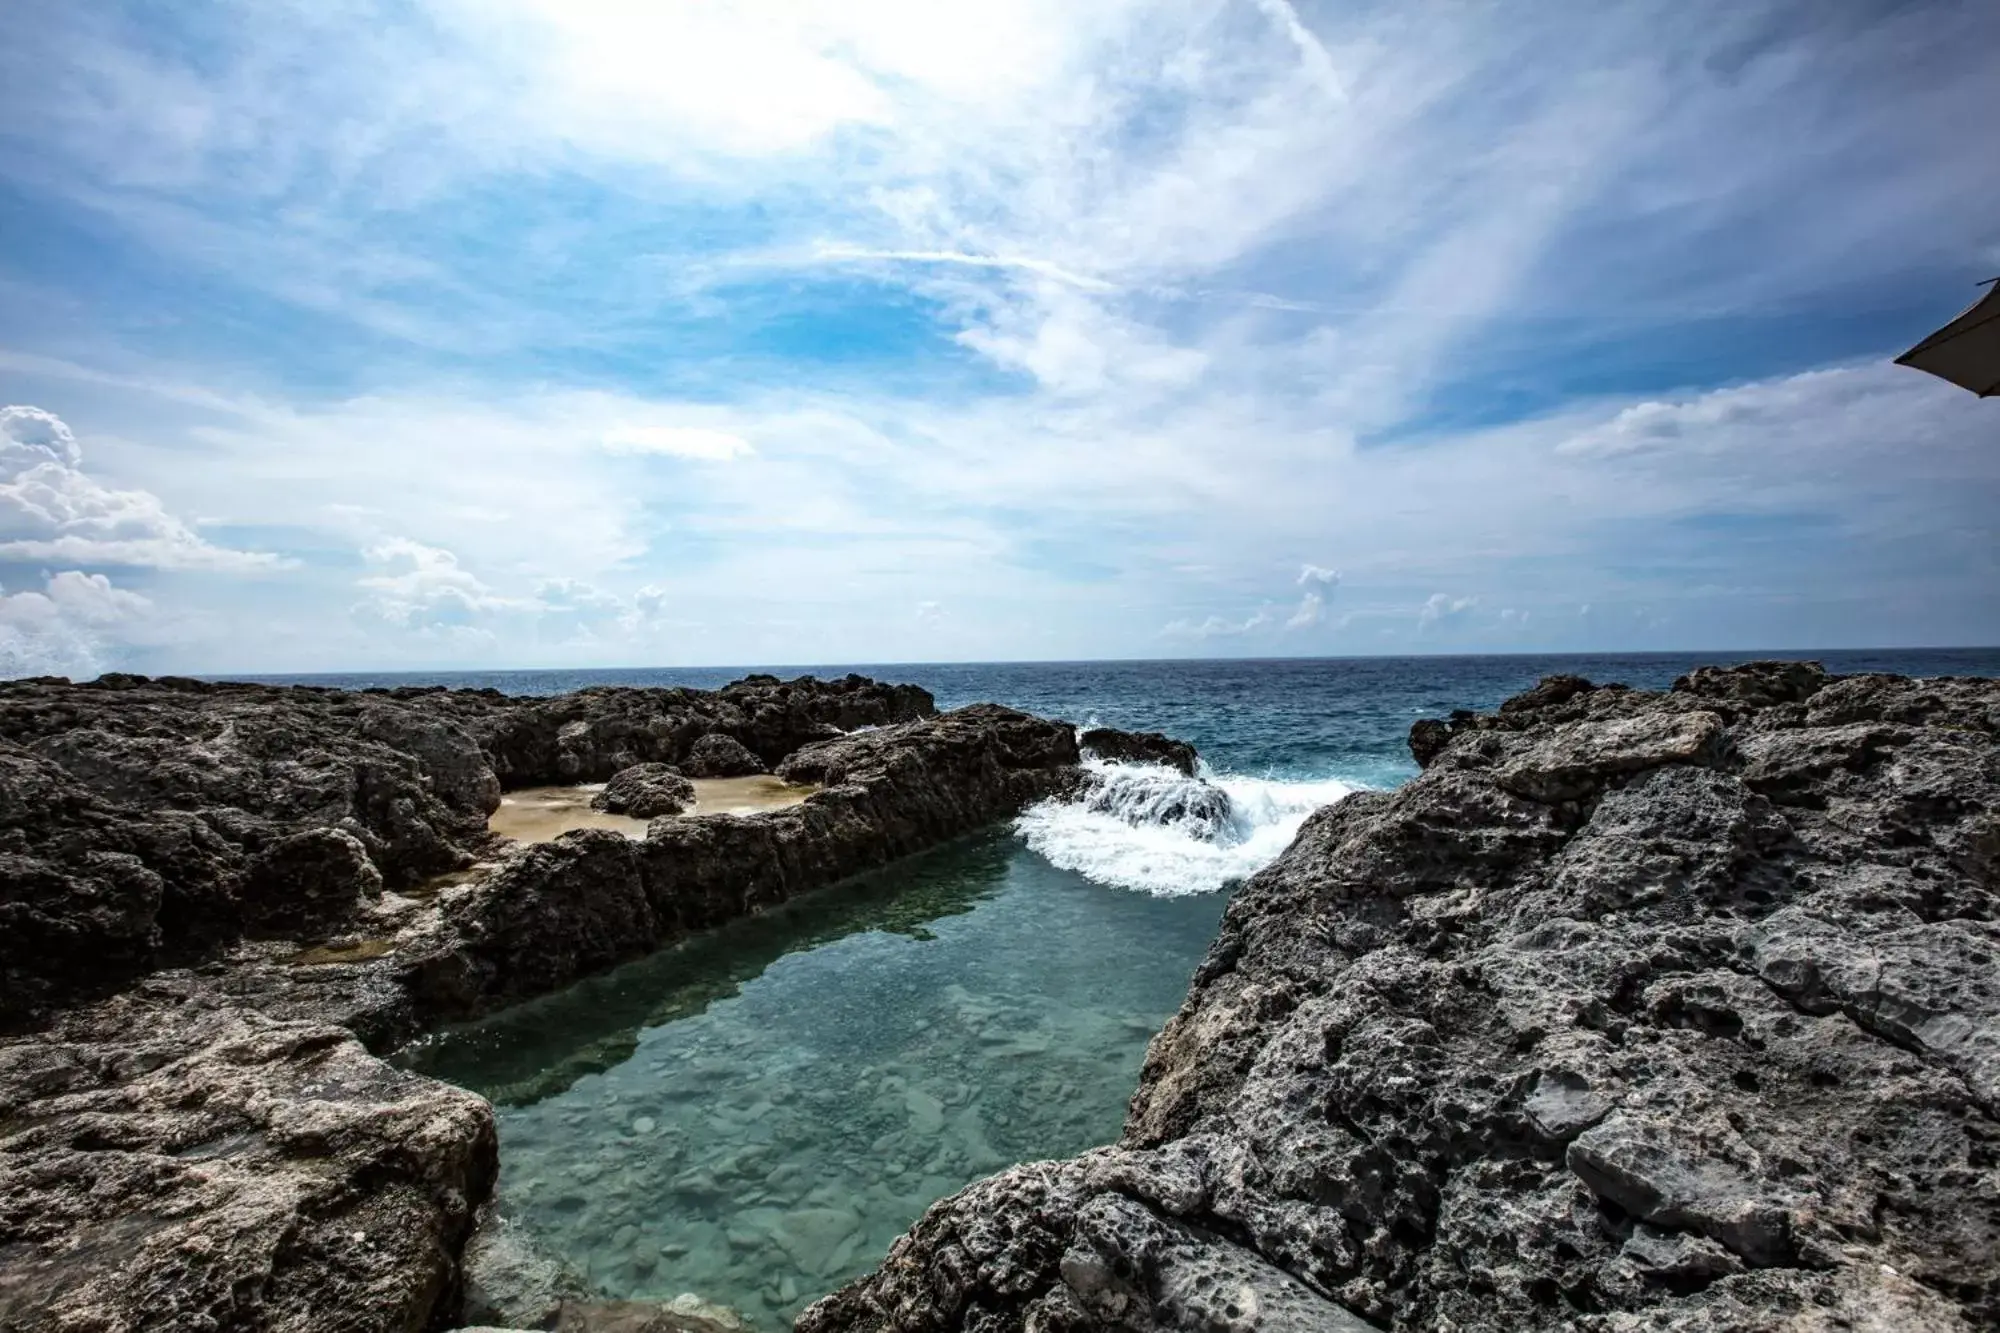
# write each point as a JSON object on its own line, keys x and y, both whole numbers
{"x": 550, "y": 332}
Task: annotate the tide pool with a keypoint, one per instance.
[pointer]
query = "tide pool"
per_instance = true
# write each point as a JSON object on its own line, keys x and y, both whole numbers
{"x": 754, "y": 1116}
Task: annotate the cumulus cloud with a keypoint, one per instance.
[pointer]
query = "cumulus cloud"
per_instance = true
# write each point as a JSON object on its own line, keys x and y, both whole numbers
{"x": 1315, "y": 576}
{"x": 73, "y": 626}
{"x": 1215, "y": 627}
{"x": 1441, "y": 609}
{"x": 929, "y": 614}
{"x": 715, "y": 446}
{"x": 425, "y": 588}
{"x": 51, "y": 510}
{"x": 1317, "y": 581}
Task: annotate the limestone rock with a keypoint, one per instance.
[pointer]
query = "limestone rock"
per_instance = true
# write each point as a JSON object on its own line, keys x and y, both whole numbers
{"x": 645, "y": 791}
{"x": 206, "y": 1167}
{"x": 1635, "y": 1011}
{"x": 557, "y": 911}
{"x": 154, "y": 823}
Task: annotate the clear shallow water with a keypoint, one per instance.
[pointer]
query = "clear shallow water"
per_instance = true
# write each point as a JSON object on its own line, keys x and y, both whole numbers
{"x": 756, "y": 1115}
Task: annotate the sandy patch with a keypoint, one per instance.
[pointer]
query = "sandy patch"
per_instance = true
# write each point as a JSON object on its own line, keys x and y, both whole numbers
{"x": 539, "y": 814}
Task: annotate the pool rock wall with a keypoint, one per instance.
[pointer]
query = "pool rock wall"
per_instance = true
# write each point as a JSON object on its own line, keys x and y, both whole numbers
{"x": 148, "y": 823}
{"x": 561, "y": 910}
{"x": 278, "y": 882}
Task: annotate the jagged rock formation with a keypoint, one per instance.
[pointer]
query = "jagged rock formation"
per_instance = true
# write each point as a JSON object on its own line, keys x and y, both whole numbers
{"x": 645, "y": 791}
{"x": 557, "y": 911}
{"x": 1634, "y": 1011}
{"x": 215, "y": 1147}
{"x": 172, "y": 1161}
{"x": 148, "y": 823}
{"x": 1139, "y": 747}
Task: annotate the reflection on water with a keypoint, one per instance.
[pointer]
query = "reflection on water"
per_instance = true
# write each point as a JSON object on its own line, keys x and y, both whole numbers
{"x": 539, "y": 814}
{"x": 754, "y": 1116}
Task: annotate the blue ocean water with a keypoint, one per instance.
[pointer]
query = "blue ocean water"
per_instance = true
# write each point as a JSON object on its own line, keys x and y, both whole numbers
{"x": 1285, "y": 718}
{"x": 754, "y": 1115}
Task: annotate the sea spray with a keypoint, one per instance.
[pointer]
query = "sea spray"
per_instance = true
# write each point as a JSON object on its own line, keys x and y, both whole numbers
{"x": 1149, "y": 828}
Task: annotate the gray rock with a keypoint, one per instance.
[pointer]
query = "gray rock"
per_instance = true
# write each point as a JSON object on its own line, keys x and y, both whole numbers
{"x": 719, "y": 755}
{"x": 308, "y": 885}
{"x": 1634, "y": 1011}
{"x": 190, "y": 1165}
{"x": 645, "y": 791}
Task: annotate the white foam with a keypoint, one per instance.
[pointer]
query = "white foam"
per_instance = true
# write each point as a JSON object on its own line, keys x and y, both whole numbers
{"x": 1134, "y": 831}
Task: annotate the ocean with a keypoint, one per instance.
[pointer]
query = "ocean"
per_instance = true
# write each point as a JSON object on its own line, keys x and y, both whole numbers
{"x": 754, "y": 1115}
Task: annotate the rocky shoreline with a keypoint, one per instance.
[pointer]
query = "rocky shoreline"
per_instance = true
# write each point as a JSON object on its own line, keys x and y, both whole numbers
{"x": 277, "y": 882}
{"x": 1636, "y": 1010}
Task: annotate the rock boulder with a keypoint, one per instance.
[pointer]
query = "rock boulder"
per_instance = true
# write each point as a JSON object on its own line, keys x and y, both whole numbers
{"x": 645, "y": 791}
{"x": 1139, "y": 747}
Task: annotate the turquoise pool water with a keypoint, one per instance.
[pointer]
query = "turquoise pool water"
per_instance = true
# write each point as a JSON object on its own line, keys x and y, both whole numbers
{"x": 754, "y": 1116}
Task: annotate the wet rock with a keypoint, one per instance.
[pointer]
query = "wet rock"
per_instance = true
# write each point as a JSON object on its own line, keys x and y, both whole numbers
{"x": 1146, "y": 797}
{"x": 686, "y": 1313}
{"x": 1636, "y": 1010}
{"x": 719, "y": 755}
{"x": 1139, "y": 747}
{"x": 512, "y": 1282}
{"x": 645, "y": 791}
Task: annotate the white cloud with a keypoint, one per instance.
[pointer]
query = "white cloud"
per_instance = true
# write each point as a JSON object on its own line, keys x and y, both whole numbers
{"x": 678, "y": 442}
{"x": 30, "y": 437}
{"x": 50, "y": 510}
{"x": 1440, "y": 609}
{"x": 1316, "y": 576}
{"x": 426, "y": 588}
{"x": 1216, "y": 627}
{"x": 929, "y": 614}
{"x": 1229, "y": 253}
{"x": 73, "y": 626}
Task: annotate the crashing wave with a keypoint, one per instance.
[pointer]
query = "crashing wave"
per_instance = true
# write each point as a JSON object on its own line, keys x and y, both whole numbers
{"x": 1150, "y": 828}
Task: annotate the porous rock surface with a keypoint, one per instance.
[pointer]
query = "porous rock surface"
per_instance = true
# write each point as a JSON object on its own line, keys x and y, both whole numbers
{"x": 168, "y": 1161}
{"x": 148, "y": 823}
{"x": 557, "y": 911}
{"x": 1635, "y": 1011}
{"x": 645, "y": 791}
{"x": 718, "y": 755}
{"x": 255, "y": 870}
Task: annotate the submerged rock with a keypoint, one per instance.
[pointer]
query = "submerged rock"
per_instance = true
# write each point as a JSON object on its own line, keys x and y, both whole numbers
{"x": 1636, "y": 1010}
{"x": 1139, "y": 747}
{"x": 645, "y": 791}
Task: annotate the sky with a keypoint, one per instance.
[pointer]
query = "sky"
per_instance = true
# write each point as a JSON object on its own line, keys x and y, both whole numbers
{"x": 378, "y": 334}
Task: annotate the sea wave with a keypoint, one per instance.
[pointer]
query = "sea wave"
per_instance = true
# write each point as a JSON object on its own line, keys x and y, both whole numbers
{"x": 1152, "y": 829}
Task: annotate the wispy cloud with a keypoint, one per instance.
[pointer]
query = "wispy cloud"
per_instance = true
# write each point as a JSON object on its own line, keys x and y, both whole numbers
{"x": 1075, "y": 319}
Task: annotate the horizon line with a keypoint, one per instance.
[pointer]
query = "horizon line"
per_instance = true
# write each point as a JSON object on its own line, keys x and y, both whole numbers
{"x": 1737, "y": 654}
